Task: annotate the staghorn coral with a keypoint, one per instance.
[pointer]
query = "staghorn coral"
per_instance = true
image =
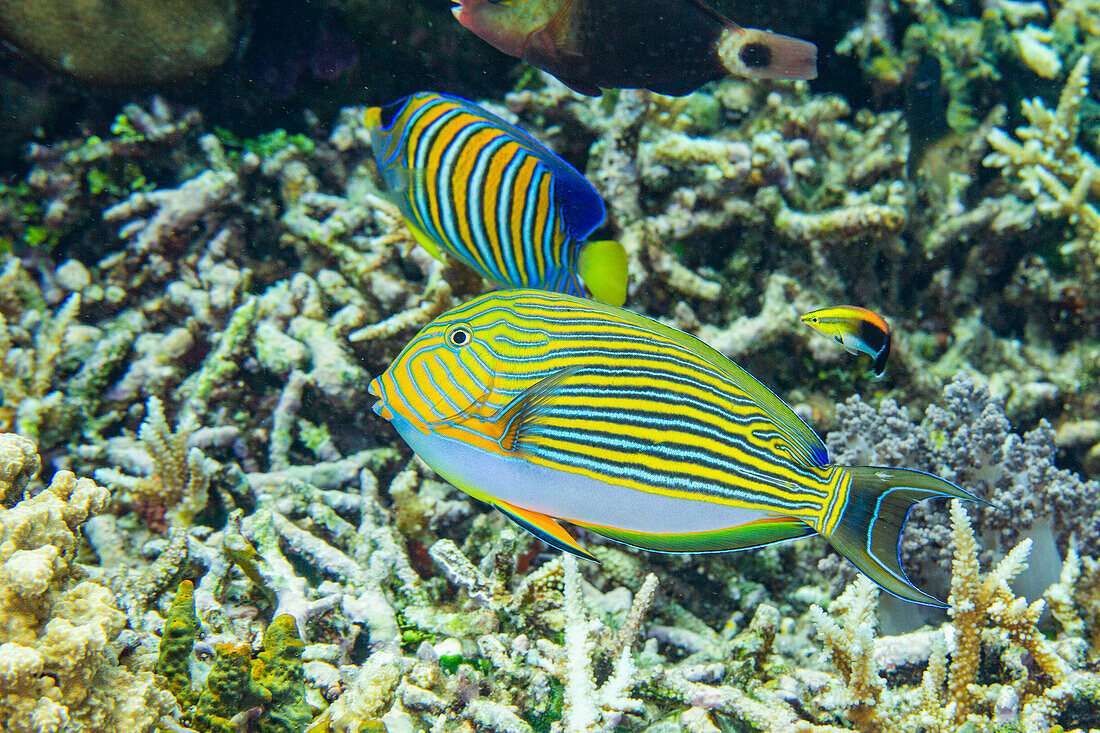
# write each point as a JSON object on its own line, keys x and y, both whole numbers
{"x": 30, "y": 349}
{"x": 987, "y": 618}
{"x": 1049, "y": 166}
{"x": 176, "y": 476}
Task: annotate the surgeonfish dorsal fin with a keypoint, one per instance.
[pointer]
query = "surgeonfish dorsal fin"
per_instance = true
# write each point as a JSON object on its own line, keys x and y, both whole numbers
{"x": 805, "y": 443}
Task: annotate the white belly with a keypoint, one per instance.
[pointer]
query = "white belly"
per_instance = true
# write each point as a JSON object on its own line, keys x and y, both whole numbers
{"x": 572, "y": 497}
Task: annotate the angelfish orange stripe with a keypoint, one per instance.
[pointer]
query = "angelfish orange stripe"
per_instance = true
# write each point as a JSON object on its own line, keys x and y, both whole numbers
{"x": 485, "y": 191}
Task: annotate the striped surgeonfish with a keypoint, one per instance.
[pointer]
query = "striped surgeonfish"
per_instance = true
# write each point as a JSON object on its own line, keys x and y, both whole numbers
{"x": 483, "y": 190}
{"x": 552, "y": 407}
{"x": 858, "y": 330}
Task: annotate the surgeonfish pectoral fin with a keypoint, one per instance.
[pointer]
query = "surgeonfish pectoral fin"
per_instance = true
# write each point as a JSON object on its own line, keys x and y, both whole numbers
{"x": 602, "y": 266}
{"x": 545, "y": 528}
{"x": 525, "y": 406}
{"x": 869, "y": 530}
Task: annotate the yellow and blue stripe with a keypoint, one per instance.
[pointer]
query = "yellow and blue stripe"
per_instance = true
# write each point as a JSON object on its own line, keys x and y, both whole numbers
{"x": 553, "y": 407}
{"x": 486, "y": 192}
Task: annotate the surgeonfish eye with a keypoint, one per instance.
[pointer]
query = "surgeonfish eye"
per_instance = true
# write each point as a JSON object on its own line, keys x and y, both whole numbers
{"x": 459, "y": 335}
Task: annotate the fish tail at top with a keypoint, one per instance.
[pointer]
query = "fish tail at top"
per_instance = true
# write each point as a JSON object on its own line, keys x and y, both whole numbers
{"x": 602, "y": 265}
{"x": 869, "y": 528}
{"x": 757, "y": 54}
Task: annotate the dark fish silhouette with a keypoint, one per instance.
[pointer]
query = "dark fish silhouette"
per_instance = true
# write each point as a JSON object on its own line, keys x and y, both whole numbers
{"x": 666, "y": 46}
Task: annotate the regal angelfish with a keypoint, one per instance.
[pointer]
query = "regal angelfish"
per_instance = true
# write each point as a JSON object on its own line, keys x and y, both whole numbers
{"x": 483, "y": 190}
{"x": 552, "y": 407}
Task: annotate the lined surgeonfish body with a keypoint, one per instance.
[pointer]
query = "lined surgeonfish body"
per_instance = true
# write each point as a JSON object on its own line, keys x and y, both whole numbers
{"x": 666, "y": 46}
{"x": 552, "y": 407}
{"x": 858, "y": 330}
{"x": 483, "y": 190}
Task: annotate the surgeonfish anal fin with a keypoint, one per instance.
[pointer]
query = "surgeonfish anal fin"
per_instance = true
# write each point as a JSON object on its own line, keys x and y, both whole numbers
{"x": 869, "y": 529}
{"x": 602, "y": 266}
{"x": 524, "y": 407}
{"x": 545, "y": 528}
{"x": 758, "y": 533}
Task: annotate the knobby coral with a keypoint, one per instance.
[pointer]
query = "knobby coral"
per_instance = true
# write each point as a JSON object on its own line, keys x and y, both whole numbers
{"x": 57, "y": 631}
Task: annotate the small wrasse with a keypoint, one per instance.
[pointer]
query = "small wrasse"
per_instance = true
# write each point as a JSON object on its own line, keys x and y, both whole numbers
{"x": 551, "y": 407}
{"x": 666, "y": 46}
{"x": 858, "y": 330}
{"x": 481, "y": 189}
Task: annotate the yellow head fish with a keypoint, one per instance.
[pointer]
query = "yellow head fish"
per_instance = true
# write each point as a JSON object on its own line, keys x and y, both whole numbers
{"x": 857, "y": 329}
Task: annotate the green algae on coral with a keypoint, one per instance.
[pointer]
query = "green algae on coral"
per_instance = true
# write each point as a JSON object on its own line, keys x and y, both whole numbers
{"x": 176, "y": 643}
{"x": 279, "y": 670}
{"x": 229, "y": 690}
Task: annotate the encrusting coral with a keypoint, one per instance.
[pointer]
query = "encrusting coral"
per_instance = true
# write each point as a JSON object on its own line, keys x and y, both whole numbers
{"x": 236, "y": 682}
{"x": 57, "y": 663}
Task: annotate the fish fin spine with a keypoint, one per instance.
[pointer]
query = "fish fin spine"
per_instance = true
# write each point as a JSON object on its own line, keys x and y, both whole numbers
{"x": 546, "y": 528}
{"x": 868, "y": 529}
{"x": 602, "y": 266}
{"x": 757, "y": 54}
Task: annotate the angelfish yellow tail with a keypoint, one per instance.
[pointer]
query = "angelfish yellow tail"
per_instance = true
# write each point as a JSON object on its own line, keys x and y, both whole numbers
{"x": 602, "y": 267}
{"x": 869, "y": 529}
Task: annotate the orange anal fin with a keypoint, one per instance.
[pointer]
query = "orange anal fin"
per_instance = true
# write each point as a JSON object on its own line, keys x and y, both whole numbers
{"x": 545, "y": 528}
{"x": 753, "y": 534}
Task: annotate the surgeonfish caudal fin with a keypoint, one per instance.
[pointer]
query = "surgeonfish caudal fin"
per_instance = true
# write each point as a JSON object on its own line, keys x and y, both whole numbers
{"x": 602, "y": 266}
{"x": 758, "y": 54}
{"x": 869, "y": 529}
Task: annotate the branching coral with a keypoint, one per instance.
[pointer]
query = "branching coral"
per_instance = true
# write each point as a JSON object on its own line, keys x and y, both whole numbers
{"x": 1051, "y": 167}
{"x": 176, "y": 477}
{"x": 29, "y": 352}
{"x": 987, "y": 618}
